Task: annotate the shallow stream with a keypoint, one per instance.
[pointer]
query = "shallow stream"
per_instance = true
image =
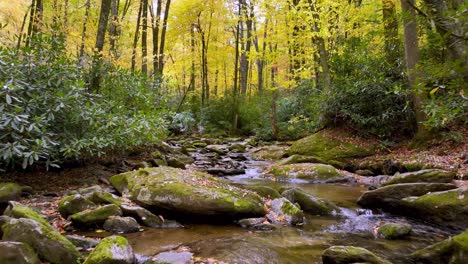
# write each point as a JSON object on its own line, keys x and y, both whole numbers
{"x": 299, "y": 244}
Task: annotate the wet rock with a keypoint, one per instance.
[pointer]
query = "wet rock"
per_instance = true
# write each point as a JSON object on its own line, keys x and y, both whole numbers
{"x": 172, "y": 257}
{"x": 105, "y": 198}
{"x": 269, "y": 153}
{"x": 312, "y": 172}
{"x": 261, "y": 224}
{"x": 189, "y": 193}
{"x": 394, "y": 230}
{"x": 446, "y": 208}
{"x": 17, "y": 210}
{"x": 17, "y": 253}
{"x": 117, "y": 224}
{"x": 9, "y": 191}
{"x": 199, "y": 144}
{"x": 49, "y": 244}
{"x": 364, "y": 172}
{"x": 158, "y": 158}
{"x": 73, "y": 204}
{"x": 237, "y": 156}
{"x": 282, "y": 211}
{"x": 373, "y": 182}
{"x": 81, "y": 242}
{"x": 295, "y": 159}
{"x": 330, "y": 150}
{"x": 348, "y": 255}
{"x": 142, "y": 215}
{"x": 390, "y": 197}
{"x": 237, "y": 148}
{"x": 453, "y": 250}
{"x": 179, "y": 161}
{"x": 95, "y": 217}
{"x": 431, "y": 175}
{"x": 88, "y": 191}
{"x": 112, "y": 250}
{"x": 224, "y": 171}
{"x": 263, "y": 191}
{"x": 309, "y": 203}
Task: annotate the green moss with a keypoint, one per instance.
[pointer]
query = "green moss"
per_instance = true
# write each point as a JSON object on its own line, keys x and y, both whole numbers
{"x": 269, "y": 153}
{"x": 309, "y": 171}
{"x": 96, "y": 216}
{"x": 289, "y": 208}
{"x": 17, "y": 210}
{"x": 455, "y": 197}
{"x": 9, "y": 191}
{"x": 106, "y": 198}
{"x": 394, "y": 231}
{"x": 73, "y": 204}
{"x": 109, "y": 249}
{"x": 461, "y": 241}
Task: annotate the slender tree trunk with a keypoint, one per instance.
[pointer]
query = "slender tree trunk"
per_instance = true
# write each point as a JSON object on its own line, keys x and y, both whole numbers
{"x": 390, "y": 23}
{"x": 83, "y": 32}
{"x": 144, "y": 38}
{"x": 100, "y": 37}
{"x": 412, "y": 58}
{"x": 192, "y": 50}
{"x": 156, "y": 19}
{"x": 23, "y": 24}
{"x": 113, "y": 29}
{"x": 163, "y": 37}
{"x": 136, "y": 37}
{"x": 247, "y": 14}
{"x": 235, "y": 110}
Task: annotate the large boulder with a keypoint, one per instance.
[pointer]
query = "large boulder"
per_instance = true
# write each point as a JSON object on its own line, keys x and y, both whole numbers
{"x": 348, "y": 255}
{"x": 263, "y": 191}
{"x": 269, "y": 153}
{"x": 282, "y": 211}
{"x": 311, "y": 172}
{"x": 146, "y": 218}
{"x": 184, "y": 192}
{"x": 394, "y": 230}
{"x": 17, "y": 210}
{"x": 49, "y": 244}
{"x": 330, "y": 150}
{"x": 430, "y": 175}
{"x": 73, "y": 204}
{"x": 179, "y": 160}
{"x": 117, "y": 224}
{"x": 112, "y": 250}
{"x": 390, "y": 197}
{"x": 309, "y": 203}
{"x": 294, "y": 159}
{"x": 95, "y": 217}
{"x": 17, "y": 253}
{"x": 453, "y": 250}
{"x": 447, "y": 208}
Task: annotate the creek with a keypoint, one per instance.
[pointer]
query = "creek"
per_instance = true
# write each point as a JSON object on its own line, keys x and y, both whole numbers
{"x": 296, "y": 244}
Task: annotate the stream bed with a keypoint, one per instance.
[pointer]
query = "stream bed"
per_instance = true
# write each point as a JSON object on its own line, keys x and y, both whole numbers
{"x": 296, "y": 244}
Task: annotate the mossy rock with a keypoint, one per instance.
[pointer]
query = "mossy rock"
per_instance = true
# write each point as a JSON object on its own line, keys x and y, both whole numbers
{"x": 187, "y": 193}
{"x": 142, "y": 215}
{"x": 391, "y": 197}
{"x": 237, "y": 148}
{"x": 453, "y": 250}
{"x": 49, "y": 244}
{"x": 431, "y": 175}
{"x": 394, "y": 230}
{"x": 179, "y": 161}
{"x": 263, "y": 191}
{"x": 349, "y": 254}
{"x": 105, "y": 198}
{"x": 327, "y": 149}
{"x": 445, "y": 208}
{"x": 269, "y": 153}
{"x": 95, "y": 217}
{"x": 82, "y": 243}
{"x": 309, "y": 203}
{"x": 261, "y": 224}
{"x": 17, "y": 253}
{"x": 282, "y": 211}
{"x": 112, "y": 250}
{"x": 73, "y": 204}
{"x": 312, "y": 172}
{"x": 199, "y": 144}
{"x": 294, "y": 159}
{"x": 17, "y": 210}
{"x": 158, "y": 158}
{"x": 9, "y": 191}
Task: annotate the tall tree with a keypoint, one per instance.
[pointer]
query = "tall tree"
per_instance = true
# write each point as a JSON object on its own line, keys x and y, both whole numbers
{"x": 390, "y": 24}
{"x": 163, "y": 37}
{"x": 144, "y": 38}
{"x": 136, "y": 36}
{"x": 246, "y": 43}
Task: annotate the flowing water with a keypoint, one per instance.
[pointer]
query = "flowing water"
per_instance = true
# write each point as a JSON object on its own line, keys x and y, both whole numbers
{"x": 300, "y": 244}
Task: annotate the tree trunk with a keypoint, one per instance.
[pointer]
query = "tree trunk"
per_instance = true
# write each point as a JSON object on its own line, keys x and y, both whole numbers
{"x": 83, "y": 33}
{"x": 144, "y": 38}
{"x": 113, "y": 29}
{"x": 192, "y": 50}
{"x": 156, "y": 20}
{"x": 247, "y": 14}
{"x": 390, "y": 24}
{"x": 100, "y": 37}
{"x": 163, "y": 37}
{"x": 412, "y": 58}
{"x": 136, "y": 37}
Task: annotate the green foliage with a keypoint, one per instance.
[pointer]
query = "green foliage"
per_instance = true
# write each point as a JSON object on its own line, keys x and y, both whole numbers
{"x": 49, "y": 116}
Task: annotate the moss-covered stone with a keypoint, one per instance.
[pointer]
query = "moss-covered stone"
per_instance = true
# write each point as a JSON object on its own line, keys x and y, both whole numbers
{"x": 185, "y": 192}
{"x": 9, "y": 191}
{"x": 431, "y": 175}
{"x": 158, "y": 158}
{"x": 391, "y": 197}
{"x": 263, "y": 191}
{"x": 179, "y": 160}
{"x": 309, "y": 203}
{"x": 142, "y": 215}
{"x": 348, "y": 255}
{"x": 237, "y": 148}
{"x": 327, "y": 149}
{"x": 49, "y": 244}
{"x": 447, "y": 208}
{"x": 453, "y": 250}
{"x": 394, "y": 230}
{"x": 312, "y": 172}
{"x": 294, "y": 159}
{"x": 82, "y": 243}
{"x": 97, "y": 216}
{"x": 73, "y": 204}
{"x": 112, "y": 250}
{"x": 269, "y": 153}
{"x": 105, "y": 198}
{"x": 17, "y": 210}
{"x": 17, "y": 253}
{"x": 282, "y": 211}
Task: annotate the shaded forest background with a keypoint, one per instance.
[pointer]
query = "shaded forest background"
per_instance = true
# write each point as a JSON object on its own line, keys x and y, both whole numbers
{"x": 81, "y": 79}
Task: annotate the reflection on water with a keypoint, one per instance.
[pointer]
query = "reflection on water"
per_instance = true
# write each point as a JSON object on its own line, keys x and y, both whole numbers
{"x": 302, "y": 244}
